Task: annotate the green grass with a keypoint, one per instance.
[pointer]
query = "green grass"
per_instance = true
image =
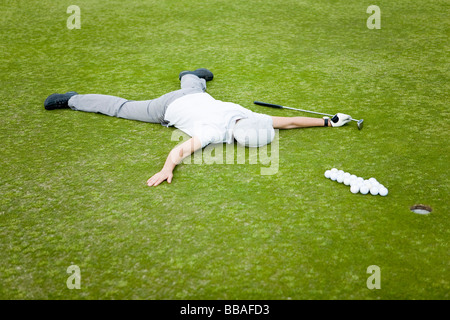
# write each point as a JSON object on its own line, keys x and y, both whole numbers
{"x": 72, "y": 184}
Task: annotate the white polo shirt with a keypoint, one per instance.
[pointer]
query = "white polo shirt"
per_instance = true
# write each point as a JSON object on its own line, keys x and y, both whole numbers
{"x": 200, "y": 115}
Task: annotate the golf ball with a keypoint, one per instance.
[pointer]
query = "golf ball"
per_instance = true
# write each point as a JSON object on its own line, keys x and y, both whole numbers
{"x": 376, "y": 184}
{"x": 333, "y": 176}
{"x": 360, "y": 180}
{"x": 373, "y": 180}
{"x": 346, "y": 175}
{"x": 327, "y": 174}
{"x": 368, "y": 184}
{"x": 347, "y": 181}
{"x": 334, "y": 170}
{"x": 374, "y": 191}
{"x": 383, "y": 192}
{"x": 340, "y": 178}
{"x": 341, "y": 172}
{"x": 354, "y": 188}
{"x": 364, "y": 189}
{"x": 353, "y": 177}
{"x": 355, "y": 182}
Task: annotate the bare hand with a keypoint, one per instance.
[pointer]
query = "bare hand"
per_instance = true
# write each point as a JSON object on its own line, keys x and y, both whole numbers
{"x": 160, "y": 177}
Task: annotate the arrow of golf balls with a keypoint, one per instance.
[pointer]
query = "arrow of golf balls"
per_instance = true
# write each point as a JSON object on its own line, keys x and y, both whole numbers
{"x": 357, "y": 184}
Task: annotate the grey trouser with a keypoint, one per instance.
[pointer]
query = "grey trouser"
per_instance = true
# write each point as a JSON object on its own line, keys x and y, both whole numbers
{"x": 148, "y": 110}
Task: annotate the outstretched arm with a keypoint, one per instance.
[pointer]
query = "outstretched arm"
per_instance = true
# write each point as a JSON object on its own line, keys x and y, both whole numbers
{"x": 175, "y": 156}
{"x": 304, "y": 122}
{"x": 297, "y": 122}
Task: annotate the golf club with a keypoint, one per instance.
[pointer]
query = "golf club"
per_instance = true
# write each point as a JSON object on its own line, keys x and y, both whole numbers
{"x": 359, "y": 122}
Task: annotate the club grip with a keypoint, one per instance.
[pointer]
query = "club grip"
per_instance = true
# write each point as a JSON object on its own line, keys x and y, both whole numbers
{"x": 267, "y": 104}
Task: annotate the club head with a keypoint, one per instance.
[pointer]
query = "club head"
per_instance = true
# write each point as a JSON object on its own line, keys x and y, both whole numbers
{"x": 360, "y": 124}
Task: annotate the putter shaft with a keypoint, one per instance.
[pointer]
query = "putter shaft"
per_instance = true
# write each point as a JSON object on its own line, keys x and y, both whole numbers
{"x": 308, "y": 111}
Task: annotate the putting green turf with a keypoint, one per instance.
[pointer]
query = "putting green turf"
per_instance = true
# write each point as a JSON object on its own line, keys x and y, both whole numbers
{"x": 72, "y": 184}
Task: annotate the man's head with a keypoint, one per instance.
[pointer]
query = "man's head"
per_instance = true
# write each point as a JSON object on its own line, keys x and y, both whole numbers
{"x": 256, "y": 131}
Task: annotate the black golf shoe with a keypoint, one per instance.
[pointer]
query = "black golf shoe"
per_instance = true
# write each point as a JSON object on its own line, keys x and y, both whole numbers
{"x": 58, "y": 100}
{"x": 201, "y": 73}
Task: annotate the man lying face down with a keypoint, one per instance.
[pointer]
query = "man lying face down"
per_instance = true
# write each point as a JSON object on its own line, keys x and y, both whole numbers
{"x": 195, "y": 112}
